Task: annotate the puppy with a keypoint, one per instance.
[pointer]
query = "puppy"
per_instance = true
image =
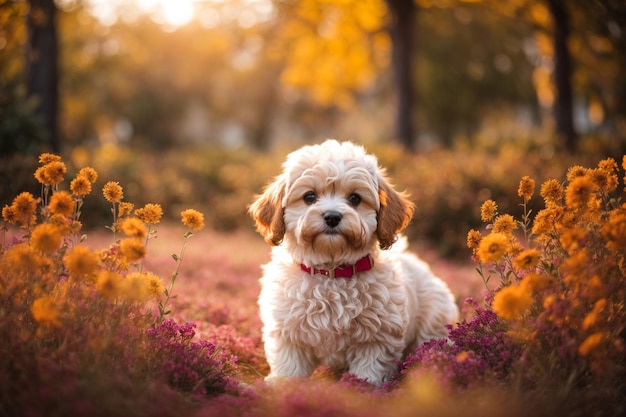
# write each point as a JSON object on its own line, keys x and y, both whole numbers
{"x": 338, "y": 292}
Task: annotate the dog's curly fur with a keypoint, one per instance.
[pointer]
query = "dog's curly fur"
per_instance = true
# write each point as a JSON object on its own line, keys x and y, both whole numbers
{"x": 363, "y": 324}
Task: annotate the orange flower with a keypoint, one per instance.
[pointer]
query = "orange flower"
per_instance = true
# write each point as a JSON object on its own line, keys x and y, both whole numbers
{"x": 504, "y": 224}
{"x": 511, "y": 302}
{"x": 150, "y": 213}
{"x": 133, "y": 227}
{"x": 488, "y": 210}
{"x": 193, "y": 219}
{"x": 473, "y": 239}
{"x": 552, "y": 192}
{"x": 113, "y": 192}
{"x": 132, "y": 249}
{"x": 81, "y": 262}
{"x": 62, "y": 203}
{"x": 53, "y": 172}
{"x": 46, "y": 238}
{"x": 591, "y": 343}
{"x": 579, "y": 192}
{"x": 46, "y": 158}
{"x": 109, "y": 284}
{"x": 526, "y": 187}
{"x": 492, "y": 247}
{"x": 24, "y": 208}
{"x": 45, "y": 311}
{"x": 526, "y": 260}
{"x": 89, "y": 173}
{"x": 125, "y": 209}
{"x": 80, "y": 186}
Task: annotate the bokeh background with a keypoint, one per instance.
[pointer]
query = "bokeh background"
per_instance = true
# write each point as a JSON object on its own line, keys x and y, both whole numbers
{"x": 196, "y": 103}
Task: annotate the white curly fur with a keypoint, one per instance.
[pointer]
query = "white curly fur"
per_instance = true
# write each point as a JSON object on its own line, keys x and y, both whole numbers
{"x": 363, "y": 324}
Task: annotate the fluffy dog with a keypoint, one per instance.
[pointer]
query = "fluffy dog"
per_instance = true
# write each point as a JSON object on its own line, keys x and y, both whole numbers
{"x": 332, "y": 294}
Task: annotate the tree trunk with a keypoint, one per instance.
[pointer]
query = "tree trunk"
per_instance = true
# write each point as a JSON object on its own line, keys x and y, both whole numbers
{"x": 564, "y": 106}
{"x": 41, "y": 67}
{"x": 403, "y": 14}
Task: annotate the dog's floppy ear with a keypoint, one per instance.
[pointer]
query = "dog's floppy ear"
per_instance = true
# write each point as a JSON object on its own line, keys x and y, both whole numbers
{"x": 394, "y": 215}
{"x": 267, "y": 211}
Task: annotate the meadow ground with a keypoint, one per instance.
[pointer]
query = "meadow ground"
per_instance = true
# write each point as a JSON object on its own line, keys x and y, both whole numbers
{"x": 218, "y": 282}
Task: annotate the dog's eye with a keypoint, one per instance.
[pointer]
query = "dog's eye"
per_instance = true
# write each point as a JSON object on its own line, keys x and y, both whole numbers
{"x": 309, "y": 198}
{"x": 354, "y": 199}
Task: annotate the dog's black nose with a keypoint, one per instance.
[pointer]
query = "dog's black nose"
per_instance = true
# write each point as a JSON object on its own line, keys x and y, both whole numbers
{"x": 332, "y": 218}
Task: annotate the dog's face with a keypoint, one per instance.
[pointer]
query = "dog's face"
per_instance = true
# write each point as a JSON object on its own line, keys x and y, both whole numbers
{"x": 331, "y": 205}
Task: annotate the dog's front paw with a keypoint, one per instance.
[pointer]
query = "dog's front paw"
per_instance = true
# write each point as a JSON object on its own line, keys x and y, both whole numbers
{"x": 273, "y": 380}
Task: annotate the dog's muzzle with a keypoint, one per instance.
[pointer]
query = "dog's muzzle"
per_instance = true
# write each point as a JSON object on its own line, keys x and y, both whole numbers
{"x": 332, "y": 218}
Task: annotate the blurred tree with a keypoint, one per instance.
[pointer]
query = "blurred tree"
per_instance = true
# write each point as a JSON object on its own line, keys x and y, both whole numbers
{"x": 402, "y": 30}
{"x": 20, "y": 130}
{"x": 564, "y": 105}
{"x": 41, "y": 68}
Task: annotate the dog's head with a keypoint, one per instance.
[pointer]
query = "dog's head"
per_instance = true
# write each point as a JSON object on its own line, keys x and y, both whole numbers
{"x": 330, "y": 201}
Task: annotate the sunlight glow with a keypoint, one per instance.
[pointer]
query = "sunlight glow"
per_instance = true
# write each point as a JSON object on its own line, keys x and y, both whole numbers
{"x": 172, "y": 14}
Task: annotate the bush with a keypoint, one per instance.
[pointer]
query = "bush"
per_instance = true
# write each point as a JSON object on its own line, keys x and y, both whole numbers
{"x": 84, "y": 332}
{"x": 562, "y": 288}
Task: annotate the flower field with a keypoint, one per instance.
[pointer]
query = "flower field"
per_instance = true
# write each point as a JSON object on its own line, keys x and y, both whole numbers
{"x": 146, "y": 317}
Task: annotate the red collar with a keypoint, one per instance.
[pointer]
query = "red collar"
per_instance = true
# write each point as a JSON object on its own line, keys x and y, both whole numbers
{"x": 344, "y": 271}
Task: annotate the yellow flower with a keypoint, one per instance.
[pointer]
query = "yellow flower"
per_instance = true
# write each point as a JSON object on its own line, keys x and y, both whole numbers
{"x": 492, "y": 247}
{"x": 89, "y": 173}
{"x": 504, "y": 224}
{"x": 135, "y": 287}
{"x": 45, "y": 311}
{"x": 534, "y": 283}
{"x": 8, "y": 214}
{"x": 579, "y": 192}
{"x": 604, "y": 180}
{"x": 595, "y": 315}
{"x": 510, "y": 302}
{"x": 21, "y": 259}
{"x": 609, "y": 165}
{"x": 61, "y": 222}
{"x": 62, "y": 203}
{"x": 526, "y": 187}
{"x": 575, "y": 172}
{"x": 24, "y": 207}
{"x": 473, "y": 239}
{"x": 46, "y": 158}
{"x": 595, "y": 288}
{"x": 46, "y": 238}
{"x": 527, "y": 260}
{"x": 573, "y": 239}
{"x": 488, "y": 210}
{"x": 193, "y": 219}
{"x": 81, "y": 262}
{"x": 75, "y": 226}
{"x": 155, "y": 285}
{"x": 53, "y": 172}
{"x": 133, "y": 227}
{"x": 40, "y": 175}
{"x": 113, "y": 192}
{"x": 591, "y": 343}
{"x": 109, "y": 284}
{"x": 132, "y": 249}
{"x": 544, "y": 221}
{"x": 614, "y": 230}
{"x": 552, "y": 192}
{"x": 80, "y": 186}
{"x": 150, "y": 213}
{"x": 125, "y": 209}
